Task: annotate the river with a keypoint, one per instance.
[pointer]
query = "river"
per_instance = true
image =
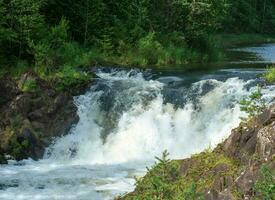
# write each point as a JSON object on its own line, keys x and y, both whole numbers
{"x": 130, "y": 116}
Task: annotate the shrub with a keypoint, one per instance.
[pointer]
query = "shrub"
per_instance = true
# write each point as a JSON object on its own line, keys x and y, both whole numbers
{"x": 265, "y": 187}
{"x": 254, "y": 104}
{"x": 157, "y": 184}
{"x": 163, "y": 181}
{"x": 17, "y": 149}
{"x": 191, "y": 193}
{"x": 270, "y": 75}
{"x": 29, "y": 86}
{"x": 48, "y": 52}
{"x": 69, "y": 78}
{"x": 150, "y": 49}
{"x": 89, "y": 58}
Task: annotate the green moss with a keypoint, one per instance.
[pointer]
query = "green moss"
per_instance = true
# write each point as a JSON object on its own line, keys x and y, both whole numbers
{"x": 69, "y": 78}
{"x": 29, "y": 85}
{"x": 265, "y": 186}
{"x": 205, "y": 162}
{"x": 166, "y": 180}
{"x": 270, "y": 75}
{"x": 18, "y": 149}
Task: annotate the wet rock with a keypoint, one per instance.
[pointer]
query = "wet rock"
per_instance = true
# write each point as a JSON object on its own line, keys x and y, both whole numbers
{"x": 8, "y": 90}
{"x": 22, "y": 104}
{"x": 3, "y": 160}
{"x": 26, "y": 135}
{"x": 35, "y": 115}
{"x": 59, "y": 101}
{"x": 30, "y": 120}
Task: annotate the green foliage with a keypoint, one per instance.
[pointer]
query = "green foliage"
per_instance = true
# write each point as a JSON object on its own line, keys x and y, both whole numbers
{"x": 191, "y": 193}
{"x": 265, "y": 187}
{"x": 20, "y": 23}
{"x": 91, "y": 58}
{"x": 49, "y": 52}
{"x": 69, "y": 78}
{"x": 150, "y": 49}
{"x": 49, "y": 35}
{"x": 18, "y": 150}
{"x": 270, "y": 75}
{"x": 160, "y": 178}
{"x": 170, "y": 180}
{"x": 29, "y": 85}
{"x": 3, "y": 159}
{"x": 254, "y": 104}
{"x": 247, "y": 16}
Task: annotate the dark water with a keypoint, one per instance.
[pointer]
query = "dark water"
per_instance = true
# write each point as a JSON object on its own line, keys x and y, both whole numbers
{"x": 254, "y": 56}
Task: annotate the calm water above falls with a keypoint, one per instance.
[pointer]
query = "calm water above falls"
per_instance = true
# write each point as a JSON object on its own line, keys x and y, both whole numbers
{"x": 127, "y": 118}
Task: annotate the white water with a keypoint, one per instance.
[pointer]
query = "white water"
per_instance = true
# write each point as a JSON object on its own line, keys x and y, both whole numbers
{"x": 82, "y": 165}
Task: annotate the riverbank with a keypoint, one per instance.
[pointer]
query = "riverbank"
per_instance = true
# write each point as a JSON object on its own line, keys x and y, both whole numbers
{"x": 33, "y": 111}
{"x": 241, "y": 167}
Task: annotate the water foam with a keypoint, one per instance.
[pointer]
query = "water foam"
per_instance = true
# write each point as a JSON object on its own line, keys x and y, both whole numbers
{"x": 146, "y": 129}
{"x": 126, "y": 120}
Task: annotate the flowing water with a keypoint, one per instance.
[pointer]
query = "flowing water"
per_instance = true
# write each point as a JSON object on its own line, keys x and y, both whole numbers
{"x": 126, "y": 119}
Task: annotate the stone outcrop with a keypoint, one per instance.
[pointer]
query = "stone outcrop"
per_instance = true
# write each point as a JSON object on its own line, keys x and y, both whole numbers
{"x": 29, "y": 120}
{"x": 229, "y": 172}
{"x": 252, "y": 144}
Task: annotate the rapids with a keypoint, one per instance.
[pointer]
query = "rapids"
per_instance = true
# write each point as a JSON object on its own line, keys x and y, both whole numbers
{"x": 126, "y": 119}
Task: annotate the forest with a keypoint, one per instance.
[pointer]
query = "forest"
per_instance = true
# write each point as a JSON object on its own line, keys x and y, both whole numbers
{"x": 48, "y": 35}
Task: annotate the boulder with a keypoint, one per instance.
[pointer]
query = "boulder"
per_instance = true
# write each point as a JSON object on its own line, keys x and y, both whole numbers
{"x": 8, "y": 90}
{"x": 30, "y": 120}
{"x": 266, "y": 142}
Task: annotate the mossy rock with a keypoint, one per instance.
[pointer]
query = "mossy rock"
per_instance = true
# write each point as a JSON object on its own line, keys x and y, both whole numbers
{"x": 185, "y": 179}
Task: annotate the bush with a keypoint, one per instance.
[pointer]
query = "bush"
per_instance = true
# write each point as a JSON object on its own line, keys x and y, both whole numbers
{"x": 90, "y": 58}
{"x": 270, "y": 75}
{"x": 17, "y": 149}
{"x": 48, "y": 53}
{"x": 164, "y": 181}
{"x": 69, "y": 78}
{"x": 265, "y": 187}
{"x": 254, "y": 104}
{"x": 158, "y": 183}
{"x": 29, "y": 86}
{"x": 150, "y": 49}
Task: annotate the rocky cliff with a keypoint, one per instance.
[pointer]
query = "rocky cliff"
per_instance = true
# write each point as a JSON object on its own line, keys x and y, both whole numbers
{"x": 242, "y": 167}
{"x": 32, "y": 113}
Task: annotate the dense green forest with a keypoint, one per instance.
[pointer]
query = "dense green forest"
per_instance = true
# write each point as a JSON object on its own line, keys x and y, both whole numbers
{"x": 51, "y": 34}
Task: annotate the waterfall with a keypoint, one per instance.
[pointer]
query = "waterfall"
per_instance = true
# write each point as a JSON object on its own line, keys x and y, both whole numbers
{"x": 126, "y": 119}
